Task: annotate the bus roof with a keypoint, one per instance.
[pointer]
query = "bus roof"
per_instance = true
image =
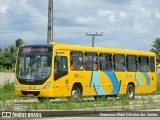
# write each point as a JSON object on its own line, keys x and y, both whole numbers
{"x": 63, "y": 46}
{"x": 100, "y": 49}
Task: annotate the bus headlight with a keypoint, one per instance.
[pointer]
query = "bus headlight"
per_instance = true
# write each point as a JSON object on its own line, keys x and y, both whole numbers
{"x": 47, "y": 85}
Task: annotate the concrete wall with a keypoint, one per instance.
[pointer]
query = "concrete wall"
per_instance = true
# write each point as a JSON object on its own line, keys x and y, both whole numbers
{"x": 6, "y": 76}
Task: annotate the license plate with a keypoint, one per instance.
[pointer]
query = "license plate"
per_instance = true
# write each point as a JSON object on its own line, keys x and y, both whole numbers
{"x": 30, "y": 95}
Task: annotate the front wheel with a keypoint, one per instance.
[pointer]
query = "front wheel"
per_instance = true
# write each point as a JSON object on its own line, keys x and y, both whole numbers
{"x": 130, "y": 92}
{"x": 42, "y": 99}
{"x": 75, "y": 93}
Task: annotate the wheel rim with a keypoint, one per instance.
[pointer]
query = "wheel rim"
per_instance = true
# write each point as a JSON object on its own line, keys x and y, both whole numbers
{"x": 130, "y": 93}
{"x": 75, "y": 94}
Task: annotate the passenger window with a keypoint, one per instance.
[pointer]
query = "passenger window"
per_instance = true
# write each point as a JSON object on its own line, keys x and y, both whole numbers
{"x": 131, "y": 61}
{"x": 76, "y": 61}
{"x": 119, "y": 62}
{"x": 91, "y": 61}
{"x": 105, "y": 61}
{"x": 152, "y": 64}
{"x": 143, "y": 64}
{"x": 60, "y": 67}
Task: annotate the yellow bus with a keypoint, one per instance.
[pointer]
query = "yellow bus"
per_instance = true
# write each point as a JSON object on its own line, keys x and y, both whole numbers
{"x": 60, "y": 70}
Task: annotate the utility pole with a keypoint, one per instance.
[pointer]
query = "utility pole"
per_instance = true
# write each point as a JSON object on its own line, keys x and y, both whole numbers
{"x": 50, "y": 22}
{"x": 93, "y": 36}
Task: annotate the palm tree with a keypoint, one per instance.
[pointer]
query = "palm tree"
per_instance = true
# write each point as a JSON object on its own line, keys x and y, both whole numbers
{"x": 19, "y": 42}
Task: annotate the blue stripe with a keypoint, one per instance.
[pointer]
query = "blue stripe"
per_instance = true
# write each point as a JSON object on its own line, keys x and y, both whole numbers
{"x": 114, "y": 81}
{"x": 138, "y": 79}
{"x": 95, "y": 82}
{"x": 147, "y": 78}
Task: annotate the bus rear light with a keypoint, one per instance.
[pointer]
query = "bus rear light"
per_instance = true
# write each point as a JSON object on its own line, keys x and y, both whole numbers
{"x": 47, "y": 85}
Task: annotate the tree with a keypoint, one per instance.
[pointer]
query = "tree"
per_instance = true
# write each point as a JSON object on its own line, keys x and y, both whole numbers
{"x": 19, "y": 42}
{"x": 9, "y": 54}
{"x": 5, "y": 59}
{"x": 156, "y": 48}
{"x": 13, "y": 54}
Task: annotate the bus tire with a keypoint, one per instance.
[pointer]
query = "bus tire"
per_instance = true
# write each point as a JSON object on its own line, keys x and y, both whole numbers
{"x": 130, "y": 93}
{"x": 42, "y": 99}
{"x": 75, "y": 93}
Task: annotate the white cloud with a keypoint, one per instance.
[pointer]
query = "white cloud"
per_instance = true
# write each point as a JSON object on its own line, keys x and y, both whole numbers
{"x": 105, "y": 12}
{"x": 123, "y": 14}
{"x": 3, "y": 6}
{"x": 75, "y": 2}
{"x": 84, "y": 20}
{"x": 145, "y": 12}
{"x": 110, "y": 15}
{"x": 157, "y": 14}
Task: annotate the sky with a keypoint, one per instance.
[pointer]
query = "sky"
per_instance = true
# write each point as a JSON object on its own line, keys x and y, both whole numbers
{"x": 126, "y": 24}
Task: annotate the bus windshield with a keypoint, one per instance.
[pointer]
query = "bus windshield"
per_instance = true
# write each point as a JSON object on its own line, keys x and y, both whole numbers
{"x": 33, "y": 65}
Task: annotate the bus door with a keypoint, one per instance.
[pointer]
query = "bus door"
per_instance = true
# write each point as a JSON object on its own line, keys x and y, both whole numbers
{"x": 61, "y": 75}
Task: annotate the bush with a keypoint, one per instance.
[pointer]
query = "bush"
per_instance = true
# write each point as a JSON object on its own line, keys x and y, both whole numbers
{"x": 3, "y": 69}
{"x": 7, "y": 91}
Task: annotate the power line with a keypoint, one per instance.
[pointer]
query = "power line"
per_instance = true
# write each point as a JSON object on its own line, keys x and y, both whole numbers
{"x": 71, "y": 22}
{"x": 21, "y": 33}
{"x": 133, "y": 43}
{"x": 12, "y": 32}
{"x": 42, "y": 17}
{"x": 23, "y": 15}
{"x": 66, "y": 21}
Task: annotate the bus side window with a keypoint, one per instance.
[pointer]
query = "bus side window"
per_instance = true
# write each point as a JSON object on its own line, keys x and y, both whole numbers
{"x": 119, "y": 62}
{"x": 131, "y": 61}
{"x": 105, "y": 61}
{"x": 143, "y": 64}
{"x": 76, "y": 60}
{"x": 91, "y": 61}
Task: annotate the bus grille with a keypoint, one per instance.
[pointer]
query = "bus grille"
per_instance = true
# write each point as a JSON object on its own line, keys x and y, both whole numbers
{"x": 35, "y": 93}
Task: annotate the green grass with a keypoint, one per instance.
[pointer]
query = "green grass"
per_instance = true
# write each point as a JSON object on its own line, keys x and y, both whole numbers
{"x": 4, "y": 69}
{"x": 7, "y": 91}
{"x": 157, "y": 92}
{"x": 67, "y": 104}
{"x": 6, "y": 96}
{"x": 158, "y": 84}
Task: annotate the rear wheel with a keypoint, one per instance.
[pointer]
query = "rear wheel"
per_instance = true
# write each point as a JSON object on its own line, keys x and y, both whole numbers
{"x": 130, "y": 92}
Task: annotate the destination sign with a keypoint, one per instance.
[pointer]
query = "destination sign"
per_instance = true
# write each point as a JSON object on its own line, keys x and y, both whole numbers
{"x": 35, "y": 49}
